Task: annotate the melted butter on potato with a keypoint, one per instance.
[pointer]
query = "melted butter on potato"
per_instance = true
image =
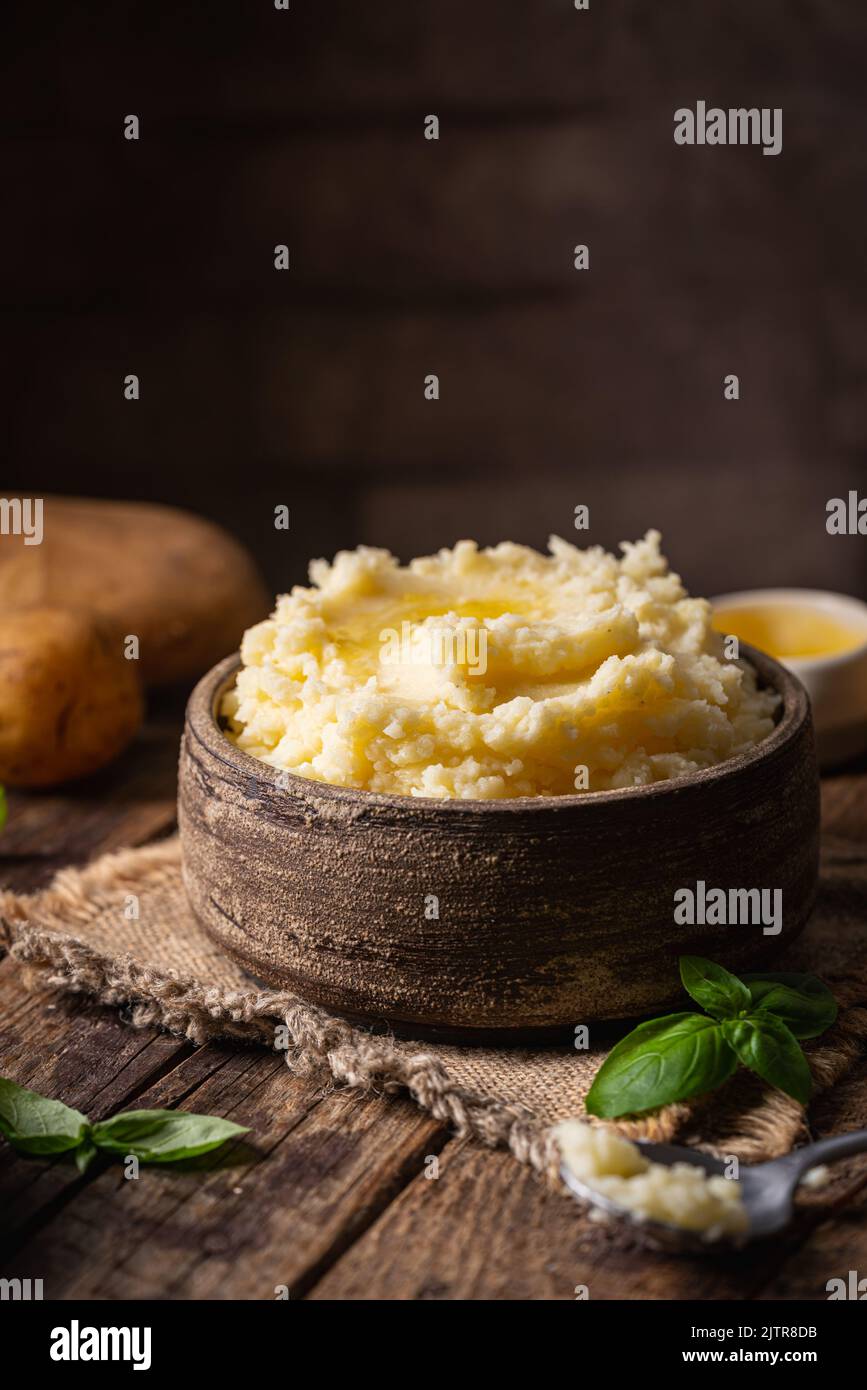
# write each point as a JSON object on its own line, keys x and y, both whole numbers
{"x": 547, "y": 664}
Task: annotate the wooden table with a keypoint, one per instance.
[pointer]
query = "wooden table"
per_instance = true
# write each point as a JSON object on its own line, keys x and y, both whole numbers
{"x": 332, "y": 1199}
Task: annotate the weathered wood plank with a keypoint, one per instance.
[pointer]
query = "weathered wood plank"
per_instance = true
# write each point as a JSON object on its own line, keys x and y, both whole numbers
{"x": 731, "y": 46}
{"x": 525, "y": 386}
{"x": 836, "y": 1247}
{"x": 482, "y": 212}
{"x": 64, "y": 1047}
{"x": 336, "y": 60}
{"x": 783, "y": 500}
{"x": 128, "y": 803}
{"x": 84, "y": 1056}
{"x": 838, "y": 1244}
{"x": 330, "y": 61}
{"x": 487, "y": 1229}
{"x": 323, "y": 1170}
{"x": 844, "y": 802}
{"x": 273, "y": 1211}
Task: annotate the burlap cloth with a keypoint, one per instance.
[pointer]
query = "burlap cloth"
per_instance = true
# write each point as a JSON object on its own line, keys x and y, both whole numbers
{"x": 79, "y": 935}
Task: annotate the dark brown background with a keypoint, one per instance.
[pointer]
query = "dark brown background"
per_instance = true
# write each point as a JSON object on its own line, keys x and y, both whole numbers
{"x": 409, "y": 257}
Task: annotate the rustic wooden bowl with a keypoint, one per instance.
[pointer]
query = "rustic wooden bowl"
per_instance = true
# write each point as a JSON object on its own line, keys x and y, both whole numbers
{"x": 553, "y": 911}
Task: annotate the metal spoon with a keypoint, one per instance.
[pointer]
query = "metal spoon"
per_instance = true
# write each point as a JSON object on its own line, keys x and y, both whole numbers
{"x": 768, "y": 1189}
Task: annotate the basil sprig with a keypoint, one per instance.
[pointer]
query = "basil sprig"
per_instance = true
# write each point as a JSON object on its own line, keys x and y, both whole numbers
{"x": 163, "y": 1136}
{"x": 756, "y": 1020}
{"x": 35, "y": 1124}
{"x": 803, "y": 1003}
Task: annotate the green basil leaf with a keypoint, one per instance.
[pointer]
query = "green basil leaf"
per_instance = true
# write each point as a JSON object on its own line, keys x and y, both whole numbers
{"x": 163, "y": 1136}
{"x": 722, "y": 994}
{"x": 665, "y": 1060}
{"x": 3, "y": 808}
{"x": 37, "y": 1125}
{"x": 765, "y": 1045}
{"x": 803, "y": 1002}
{"x": 84, "y": 1156}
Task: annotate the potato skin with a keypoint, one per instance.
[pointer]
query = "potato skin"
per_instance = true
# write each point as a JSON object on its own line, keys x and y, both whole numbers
{"x": 179, "y": 583}
{"x": 69, "y": 699}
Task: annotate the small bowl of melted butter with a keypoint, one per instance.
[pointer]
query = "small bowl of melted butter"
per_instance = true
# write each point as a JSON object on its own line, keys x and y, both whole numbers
{"x": 822, "y": 638}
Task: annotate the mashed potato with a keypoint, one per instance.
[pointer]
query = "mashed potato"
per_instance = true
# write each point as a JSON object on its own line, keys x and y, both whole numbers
{"x": 493, "y": 673}
{"x": 680, "y": 1195}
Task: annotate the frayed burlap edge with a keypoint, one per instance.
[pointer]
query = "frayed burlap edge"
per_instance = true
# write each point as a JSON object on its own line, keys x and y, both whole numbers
{"x": 328, "y": 1047}
{"x": 320, "y": 1045}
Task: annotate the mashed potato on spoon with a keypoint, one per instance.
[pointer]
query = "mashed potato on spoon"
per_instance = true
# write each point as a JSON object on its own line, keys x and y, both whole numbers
{"x": 679, "y": 1194}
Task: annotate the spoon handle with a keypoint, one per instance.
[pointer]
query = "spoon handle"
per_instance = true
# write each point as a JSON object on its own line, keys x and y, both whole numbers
{"x": 827, "y": 1150}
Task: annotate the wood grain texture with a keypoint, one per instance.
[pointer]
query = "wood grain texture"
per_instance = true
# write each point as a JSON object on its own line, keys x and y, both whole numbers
{"x": 844, "y": 802}
{"x": 129, "y": 803}
{"x": 86, "y": 1057}
{"x": 338, "y": 61}
{"x": 415, "y": 518}
{"x": 410, "y": 257}
{"x": 541, "y": 387}
{"x": 483, "y": 212}
{"x": 486, "y": 1230}
{"x": 330, "y": 61}
{"x": 326, "y": 1205}
{"x": 837, "y": 1244}
{"x": 340, "y": 1158}
{"x": 482, "y": 1229}
{"x": 271, "y": 1210}
{"x": 552, "y": 910}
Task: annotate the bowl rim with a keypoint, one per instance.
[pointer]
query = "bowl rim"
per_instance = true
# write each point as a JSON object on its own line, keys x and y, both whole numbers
{"x": 202, "y": 721}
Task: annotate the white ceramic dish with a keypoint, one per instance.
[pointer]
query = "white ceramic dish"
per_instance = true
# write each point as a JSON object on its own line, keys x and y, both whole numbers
{"x": 837, "y": 683}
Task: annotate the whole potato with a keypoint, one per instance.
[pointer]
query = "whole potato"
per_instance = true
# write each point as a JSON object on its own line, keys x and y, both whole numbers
{"x": 70, "y": 701}
{"x": 179, "y": 583}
